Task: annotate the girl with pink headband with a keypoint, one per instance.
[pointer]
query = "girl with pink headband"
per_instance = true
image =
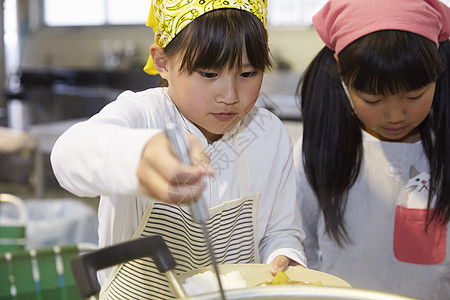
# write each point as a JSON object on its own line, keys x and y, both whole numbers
{"x": 373, "y": 163}
{"x": 212, "y": 56}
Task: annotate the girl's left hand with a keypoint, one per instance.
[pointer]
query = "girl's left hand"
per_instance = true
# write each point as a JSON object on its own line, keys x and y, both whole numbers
{"x": 281, "y": 262}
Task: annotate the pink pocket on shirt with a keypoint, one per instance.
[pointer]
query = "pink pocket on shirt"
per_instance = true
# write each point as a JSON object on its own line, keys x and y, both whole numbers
{"x": 415, "y": 244}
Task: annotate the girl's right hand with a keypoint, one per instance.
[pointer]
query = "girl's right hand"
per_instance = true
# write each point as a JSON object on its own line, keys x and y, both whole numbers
{"x": 162, "y": 176}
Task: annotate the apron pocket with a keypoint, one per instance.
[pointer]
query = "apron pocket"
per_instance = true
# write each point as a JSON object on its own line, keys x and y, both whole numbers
{"x": 415, "y": 244}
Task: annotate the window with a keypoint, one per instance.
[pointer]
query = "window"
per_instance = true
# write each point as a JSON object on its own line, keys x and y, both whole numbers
{"x": 298, "y": 12}
{"x": 10, "y": 36}
{"x": 95, "y": 12}
{"x": 293, "y": 13}
{"x": 282, "y": 13}
{"x": 120, "y": 12}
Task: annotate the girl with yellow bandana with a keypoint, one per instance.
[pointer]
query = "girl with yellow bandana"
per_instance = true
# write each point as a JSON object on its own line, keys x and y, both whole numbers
{"x": 212, "y": 55}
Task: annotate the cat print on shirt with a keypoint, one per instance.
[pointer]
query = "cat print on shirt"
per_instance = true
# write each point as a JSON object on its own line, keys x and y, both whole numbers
{"x": 417, "y": 189}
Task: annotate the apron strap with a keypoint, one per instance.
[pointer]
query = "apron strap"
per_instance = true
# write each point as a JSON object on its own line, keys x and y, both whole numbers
{"x": 243, "y": 169}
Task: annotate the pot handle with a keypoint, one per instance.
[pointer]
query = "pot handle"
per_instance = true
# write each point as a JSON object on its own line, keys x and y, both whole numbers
{"x": 85, "y": 267}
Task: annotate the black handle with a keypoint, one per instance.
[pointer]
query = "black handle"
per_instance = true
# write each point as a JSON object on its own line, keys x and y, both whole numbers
{"x": 85, "y": 267}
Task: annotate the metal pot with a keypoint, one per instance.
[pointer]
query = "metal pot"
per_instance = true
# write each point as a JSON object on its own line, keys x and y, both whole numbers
{"x": 301, "y": 292}
{"x": 85, "y": 269}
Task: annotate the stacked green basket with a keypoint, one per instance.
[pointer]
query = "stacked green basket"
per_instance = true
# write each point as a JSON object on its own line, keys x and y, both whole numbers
{"x": 12, "y": 236}
{"x": 41, "y": 274}
{"x": 38, "y": 274}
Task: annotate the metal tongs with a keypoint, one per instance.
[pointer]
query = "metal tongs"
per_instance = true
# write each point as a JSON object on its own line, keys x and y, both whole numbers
{"x": 180, "y": 147}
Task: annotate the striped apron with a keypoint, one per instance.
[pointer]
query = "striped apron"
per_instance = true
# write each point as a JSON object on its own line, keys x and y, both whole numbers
{"x": 232, "y": 228}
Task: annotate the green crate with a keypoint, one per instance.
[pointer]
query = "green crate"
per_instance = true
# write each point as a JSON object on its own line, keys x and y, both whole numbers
{"x": 38, "y": 274}
{"x": 12, "y": 238}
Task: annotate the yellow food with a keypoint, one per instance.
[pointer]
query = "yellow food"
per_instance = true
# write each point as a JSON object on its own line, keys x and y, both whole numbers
{"x": 281, "y": 278}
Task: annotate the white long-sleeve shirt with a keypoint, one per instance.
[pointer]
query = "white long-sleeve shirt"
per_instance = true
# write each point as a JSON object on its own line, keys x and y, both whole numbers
{"x": 99, "y": 157}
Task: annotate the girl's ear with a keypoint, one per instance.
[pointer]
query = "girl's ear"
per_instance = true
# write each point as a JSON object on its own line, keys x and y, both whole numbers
{"x": 159, "y": 59}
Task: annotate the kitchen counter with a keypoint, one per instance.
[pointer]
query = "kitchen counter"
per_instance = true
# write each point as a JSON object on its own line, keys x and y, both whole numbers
{"x": 114, "y": 79}
{"x": 50, "y": 95}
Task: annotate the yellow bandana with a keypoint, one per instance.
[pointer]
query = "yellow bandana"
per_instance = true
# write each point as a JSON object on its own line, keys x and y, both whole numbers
{"x": 169, "y": 17}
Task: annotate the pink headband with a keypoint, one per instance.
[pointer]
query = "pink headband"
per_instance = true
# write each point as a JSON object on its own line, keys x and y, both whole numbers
{"x": 340, "y": 22}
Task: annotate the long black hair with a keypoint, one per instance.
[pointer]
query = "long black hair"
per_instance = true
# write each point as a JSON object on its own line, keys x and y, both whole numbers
{"x": 383, "y": 62}
{"x": 217, "y": 39}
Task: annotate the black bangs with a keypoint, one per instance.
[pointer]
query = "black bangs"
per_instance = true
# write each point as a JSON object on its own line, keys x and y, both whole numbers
{"x": 390, "y": 62}
{"x": 217, "y": 40}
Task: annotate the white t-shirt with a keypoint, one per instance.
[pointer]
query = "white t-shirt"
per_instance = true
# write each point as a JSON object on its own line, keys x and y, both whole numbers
{"x": 99, "y": 157}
